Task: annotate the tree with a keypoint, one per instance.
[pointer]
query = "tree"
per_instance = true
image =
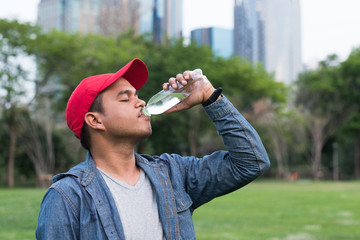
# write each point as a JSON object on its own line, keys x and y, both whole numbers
{"x": 38, "y": 145}
{"x": 350, "y": 71}
{"x": 320, "y": 98}
{"x": 14, "y": 37}
{"x": 63, "y": 59}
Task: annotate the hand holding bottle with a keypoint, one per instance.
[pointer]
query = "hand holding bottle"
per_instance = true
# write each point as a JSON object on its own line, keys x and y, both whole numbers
{"x": 182, "y": 92}
{"x": 196, "y": 84}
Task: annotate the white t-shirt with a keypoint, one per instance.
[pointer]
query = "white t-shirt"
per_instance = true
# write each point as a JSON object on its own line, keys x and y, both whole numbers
{"x": 137, "y": 207}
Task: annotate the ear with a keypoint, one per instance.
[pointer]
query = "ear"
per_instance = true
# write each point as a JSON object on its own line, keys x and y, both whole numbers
{"x": 93, "y": 120}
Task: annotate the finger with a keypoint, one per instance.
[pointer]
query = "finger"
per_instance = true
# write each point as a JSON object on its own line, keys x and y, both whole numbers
{"x": 180, "y": 78}
{"x": 172, "y": 82}
{"x": 165, "y": 86}
{"x": 187, "y": 75}
{"x": 179, "y": 107}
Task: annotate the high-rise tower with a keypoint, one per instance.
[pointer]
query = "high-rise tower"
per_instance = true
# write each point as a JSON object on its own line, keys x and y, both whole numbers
{"x": 220, "y": 40}
{"x": 248, "y": 31}
{"x": 161, "y": 18}
{"x": 268, "y": 31}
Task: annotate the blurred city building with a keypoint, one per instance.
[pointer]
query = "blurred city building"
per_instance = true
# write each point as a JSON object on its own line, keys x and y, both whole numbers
{"x": 248, "y": 31}
{"x": 220, "y": 40}
{"x": 268, "y": 31}
{"x": 160, "y": 18}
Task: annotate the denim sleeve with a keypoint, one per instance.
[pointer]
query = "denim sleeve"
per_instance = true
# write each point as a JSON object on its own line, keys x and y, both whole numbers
{"x": 224, "y": 171}
{"x": 57, "y": 219}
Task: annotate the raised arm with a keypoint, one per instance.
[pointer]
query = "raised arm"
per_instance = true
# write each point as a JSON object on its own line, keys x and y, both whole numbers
{"x": 223, "y": 171}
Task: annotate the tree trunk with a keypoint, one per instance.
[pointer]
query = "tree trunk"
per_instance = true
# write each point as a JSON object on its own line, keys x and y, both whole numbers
{"x": 280, "y": 173}
{"x": 280, "y": 168}
{"x": 317, "y": 134}
{"x": 316, "y": 163}
{"x": 49, "y": 141}
{"x": 357, "y": 155}
{"x": 11, "y": 159}
{"x": 39, "y": 149}
{"x": 335, "y": 162}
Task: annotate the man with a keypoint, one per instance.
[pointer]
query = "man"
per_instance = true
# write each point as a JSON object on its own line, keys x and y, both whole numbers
{"x": 119, "y": 194}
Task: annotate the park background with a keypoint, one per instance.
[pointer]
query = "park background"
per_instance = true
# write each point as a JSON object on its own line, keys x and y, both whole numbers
{"x": 311, "y": 130}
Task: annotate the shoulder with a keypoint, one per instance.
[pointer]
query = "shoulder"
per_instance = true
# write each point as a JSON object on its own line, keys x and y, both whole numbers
{"x": 64, "y": 193}
{"x": 67, "y": 185}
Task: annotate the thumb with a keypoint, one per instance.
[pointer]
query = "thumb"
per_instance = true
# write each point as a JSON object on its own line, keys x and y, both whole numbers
{"x": 179, "y": 107}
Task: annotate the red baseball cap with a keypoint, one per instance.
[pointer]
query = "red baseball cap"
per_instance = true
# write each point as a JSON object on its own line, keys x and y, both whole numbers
{"x": 85, "y": 93}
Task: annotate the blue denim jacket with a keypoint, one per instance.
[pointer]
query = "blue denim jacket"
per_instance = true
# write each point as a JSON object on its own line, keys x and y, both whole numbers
{"x": 79, "y": 204}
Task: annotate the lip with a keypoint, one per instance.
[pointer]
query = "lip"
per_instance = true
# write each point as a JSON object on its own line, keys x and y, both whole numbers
{"x": 142, "y": 115}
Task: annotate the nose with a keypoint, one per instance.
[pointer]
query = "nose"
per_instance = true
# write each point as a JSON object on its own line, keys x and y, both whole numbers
{"x": 141, "y": 103}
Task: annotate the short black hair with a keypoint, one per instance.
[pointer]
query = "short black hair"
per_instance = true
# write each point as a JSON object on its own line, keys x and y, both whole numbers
{"x": 96, "y": 106}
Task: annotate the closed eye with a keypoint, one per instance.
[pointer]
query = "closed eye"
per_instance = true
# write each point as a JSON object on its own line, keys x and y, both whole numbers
{"x": 127, "y": 95}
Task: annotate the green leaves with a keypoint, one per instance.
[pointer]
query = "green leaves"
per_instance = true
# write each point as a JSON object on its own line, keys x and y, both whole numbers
{"x": 15, "y": 39}
{"x": 64, "y": 59}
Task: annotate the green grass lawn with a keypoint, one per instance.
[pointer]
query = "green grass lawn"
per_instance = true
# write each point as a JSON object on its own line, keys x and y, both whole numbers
{"x": 19, "y": 209}
{"x": 261, "y": 210}
{"x": 283, "y": 211}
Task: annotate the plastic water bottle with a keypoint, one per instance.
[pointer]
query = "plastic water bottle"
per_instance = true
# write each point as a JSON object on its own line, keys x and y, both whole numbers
{"x": 166, "y": 99}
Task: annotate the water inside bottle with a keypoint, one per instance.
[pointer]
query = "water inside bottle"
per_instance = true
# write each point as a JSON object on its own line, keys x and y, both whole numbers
{"x": 162, "y": 102}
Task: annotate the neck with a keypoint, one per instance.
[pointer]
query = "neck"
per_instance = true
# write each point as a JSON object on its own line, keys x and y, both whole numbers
{"x": 117, "y": 161}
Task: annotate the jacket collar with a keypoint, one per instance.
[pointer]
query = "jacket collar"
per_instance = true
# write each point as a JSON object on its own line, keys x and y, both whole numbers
{"x": 86, "y": 170}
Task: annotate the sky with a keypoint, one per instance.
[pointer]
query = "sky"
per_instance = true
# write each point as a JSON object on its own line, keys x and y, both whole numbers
{"x": 328, "y": 26}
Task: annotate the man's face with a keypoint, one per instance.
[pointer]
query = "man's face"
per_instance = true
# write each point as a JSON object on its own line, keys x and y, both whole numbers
{"x": 123, "y": 118}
